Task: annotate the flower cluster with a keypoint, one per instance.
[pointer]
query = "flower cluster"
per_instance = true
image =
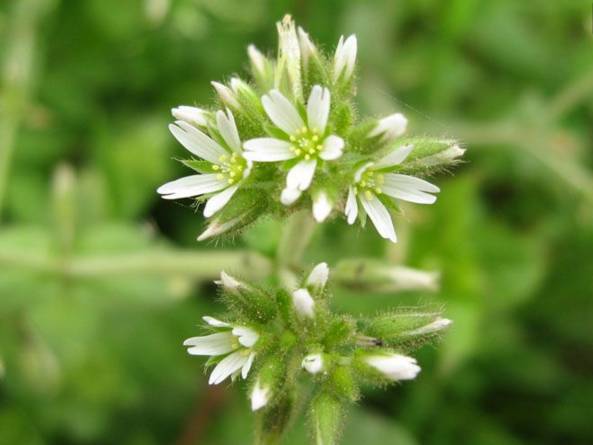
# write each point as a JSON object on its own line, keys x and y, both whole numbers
{"x": 290, "y": 138}
{"x": 275, "y": 338}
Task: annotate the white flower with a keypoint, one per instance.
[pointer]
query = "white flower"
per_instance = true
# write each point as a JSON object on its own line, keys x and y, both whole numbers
{"x": 236, "y": 341}
{"x": 303, "y": 303}
{"x": 345, "y": 57}
{"x": 370, "y": 181}
{"x": 318, "y": 277}
{"x": 394, "y": 366}
{"x": 260, "y": 396}
{"x": 191, "y": 115}
{"x": 390, "y": 127}
{"x": 306, "y": 142}
{"x": 313, "y": 363}
{"x": 229, "y": 164}
{"x": 322, "y": 207}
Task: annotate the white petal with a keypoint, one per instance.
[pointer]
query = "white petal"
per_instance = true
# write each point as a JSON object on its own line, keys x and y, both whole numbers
{"x": 267, "y": 150}
{"x": 194, "y": 185}
{"x": 213, "y": 344}
{"x": 379, "y": 215}
{"x": 395, "y": 157}
{"x": 282, "y": 112}
{"x": 313, "y": 363}
{"x": 247, "y": 366}
{"x": 197, "y": 142}
{"x": 219, "y": 200}
{"x": 260, "y": 396}
{"x": 390, "y": 127}
{"x": 289, "y": 196}
{"x": 300, "y": 176}
{"x": 228, "y": 130}
{"x": 246, "y": 336}
{"x": 351, "y": 209}
{"x": 332, "y": 148}
{"x": 318, "y": 277}
{"x": 409, "y": 188}
{"x": 318, "y": 109}
{"x": 303, "y": 303}
{"x": 215, "y": 322}
{"x": 191, "y": 115}
{"x": 322, "y": 207}
{"x": 227, "y": 366}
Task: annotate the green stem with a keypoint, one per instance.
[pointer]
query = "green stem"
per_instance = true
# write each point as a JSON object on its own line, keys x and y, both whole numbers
{"x": 202, "y": 265}
{"x": 296, "y": 235}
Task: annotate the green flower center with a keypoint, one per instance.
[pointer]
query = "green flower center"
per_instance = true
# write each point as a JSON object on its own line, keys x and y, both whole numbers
{"x": 370, "y": 183}
{"x": 306, "y": 143}
{"x": 231, "y": 168}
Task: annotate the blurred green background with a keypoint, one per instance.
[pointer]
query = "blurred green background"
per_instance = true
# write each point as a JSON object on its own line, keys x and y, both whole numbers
{"x": 100, "y": 280}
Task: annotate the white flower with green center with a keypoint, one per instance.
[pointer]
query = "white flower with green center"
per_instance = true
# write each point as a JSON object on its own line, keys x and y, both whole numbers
{"x": 228, "y": 166}
{"x": 236, "y": 342}
{"x": 373, "y": 181}
{"x": 305, "y": 142}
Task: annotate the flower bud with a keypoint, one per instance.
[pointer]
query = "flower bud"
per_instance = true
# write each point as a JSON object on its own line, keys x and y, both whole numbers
{"x": 375, "y": 276}
{"x": 390, "y": 127}
{"x": 289, "y": 196}
{"x": 303, "y": 303}
{"x": 191, "y": 115}
{"x": 307, "y": 47}
{"x": 345, "y": 58}
{"x": 318, "y": 278}
{"x": 394, "y": 366}
{"x": 260, "y": 396}
{"x": 257, "y": 59}
{"x": 289, "y": 59}
{"x": 226, "y": 95}
{"x": 322, "y": 207}
{"x": 228, "y": 283}
{"x": 313, "y": 363}
{"x": 432, "y": 328}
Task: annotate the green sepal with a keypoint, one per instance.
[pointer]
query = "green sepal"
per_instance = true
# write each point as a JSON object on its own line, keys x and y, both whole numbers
{"x": 326, "y": 417}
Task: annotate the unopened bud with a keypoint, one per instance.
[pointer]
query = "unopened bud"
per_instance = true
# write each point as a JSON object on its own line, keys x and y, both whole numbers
{"x": 394, "y": 366}
{"x": 313, "y": 363}
{"x": 390, "y": 128}
{"x": 226, "y": 95}
{"x": 303, "y": 303}
{"x": 260, "y": 396}
{"x": 345, "y": 58}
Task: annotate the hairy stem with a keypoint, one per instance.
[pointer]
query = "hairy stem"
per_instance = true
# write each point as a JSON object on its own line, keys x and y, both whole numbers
{"x": 296, "y": 235}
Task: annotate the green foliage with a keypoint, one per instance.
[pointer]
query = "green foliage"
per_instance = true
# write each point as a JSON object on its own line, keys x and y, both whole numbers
{"x": 90, "y": 340}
